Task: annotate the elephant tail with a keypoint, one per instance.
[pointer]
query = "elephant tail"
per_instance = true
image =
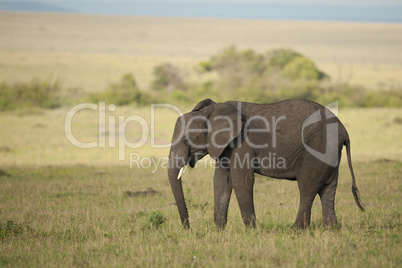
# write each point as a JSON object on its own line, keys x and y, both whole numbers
{"x": 355, "y": 191}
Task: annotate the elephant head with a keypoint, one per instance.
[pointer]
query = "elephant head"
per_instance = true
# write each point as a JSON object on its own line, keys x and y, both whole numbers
{"x": 207, "y": 129}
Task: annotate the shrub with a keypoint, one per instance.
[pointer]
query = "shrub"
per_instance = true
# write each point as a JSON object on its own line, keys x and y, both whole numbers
{"x": 279, "y": 58}
{"x": 37, "y": 93}
{"x": 10, "y": 228}
{"x": 123, "y": 92}
{"x": 301, "y": 68}
{"x": 168, "y": 78}
{"x": 154, "y": 220}
{"x": 252, "y": 76}
{"x": 383, "y": 98}
{"x": 179, "y": 96}
{"x": 281, "y": 74}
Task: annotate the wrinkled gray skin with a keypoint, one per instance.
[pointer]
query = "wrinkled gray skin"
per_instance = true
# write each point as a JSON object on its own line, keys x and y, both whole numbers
{"x": 224, "y": 141}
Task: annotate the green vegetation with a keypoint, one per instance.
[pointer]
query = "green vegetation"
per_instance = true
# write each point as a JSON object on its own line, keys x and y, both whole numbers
{"x": 10, "y": 229}
{"x": 167, "y": 78}
{"x": 42, "y": 94}
{"x": 238, "y": 75}
{"x": 123, "y": 92}
{"x": 65, "y": 206}
{"x": 81, "y": 216}
{"x": 154, "y": 220}
{"x": 282, "y": 74}
{"x": 347, "y": 52}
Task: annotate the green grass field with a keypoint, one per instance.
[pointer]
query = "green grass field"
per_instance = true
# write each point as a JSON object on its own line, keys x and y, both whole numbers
{"x": 80, "y": 216}
{"x": 63, "y": 206}
{"x": 66, "y": 206}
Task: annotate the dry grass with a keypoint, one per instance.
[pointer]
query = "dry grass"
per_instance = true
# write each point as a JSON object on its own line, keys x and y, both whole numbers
{"x": 65, "y": 206}
{"x": 90, "y": 50}
{"x": 80, "y": 216}
{"x": 37, "y": 137}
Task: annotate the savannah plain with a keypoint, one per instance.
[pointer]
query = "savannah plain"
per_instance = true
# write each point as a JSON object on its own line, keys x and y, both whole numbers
{"x": 66, "y": 206}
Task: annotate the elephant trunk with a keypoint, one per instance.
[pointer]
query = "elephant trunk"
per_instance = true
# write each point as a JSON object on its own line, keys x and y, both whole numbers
{"x": 174, "y": 170}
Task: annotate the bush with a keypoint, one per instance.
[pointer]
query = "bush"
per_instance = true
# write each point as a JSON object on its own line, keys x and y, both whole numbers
{"x": 293, "y": 65}
{"x": 42, "y": 94}
{"x": 383, "y": 98}
{"x": 168, "y": 78}
{"x": 154, "y": 220}
{"x": 10, "y": 228}
{"x": 279, "y": 58}
{"x": 232, "y": 75}
{"x": 301, "y": 69}
{"x": 252, "y": 76}
{"x": 179, "y": 96}
{"x": 282, "y": 74}
{"x": 123, "y": 92}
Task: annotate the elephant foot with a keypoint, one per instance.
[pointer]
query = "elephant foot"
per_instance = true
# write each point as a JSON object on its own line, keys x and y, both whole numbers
{"x": 331, "y": 222}
{"x": 301, "y": 225}
{"x": 221, "y": 224}
{"x": 250, "y": 223}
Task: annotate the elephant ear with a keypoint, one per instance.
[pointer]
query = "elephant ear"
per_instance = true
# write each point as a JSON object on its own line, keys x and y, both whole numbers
{"x": 225, "y": 124}
{"x": 203, "y": 104}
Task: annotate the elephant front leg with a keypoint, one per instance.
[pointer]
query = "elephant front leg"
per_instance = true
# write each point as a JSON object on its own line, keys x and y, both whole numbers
{"x": 243, "y": 185}
{"x": 222, "y": 193}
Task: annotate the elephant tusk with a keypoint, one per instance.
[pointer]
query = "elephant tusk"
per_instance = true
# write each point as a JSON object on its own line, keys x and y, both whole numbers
{"x": 181, "y": 172}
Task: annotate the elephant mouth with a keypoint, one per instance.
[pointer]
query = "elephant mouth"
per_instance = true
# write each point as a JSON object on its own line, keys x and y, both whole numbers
{"x": 193, "y": 159}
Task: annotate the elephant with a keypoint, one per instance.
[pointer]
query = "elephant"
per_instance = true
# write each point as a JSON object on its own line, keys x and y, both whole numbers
{"x": 295, "y": 139}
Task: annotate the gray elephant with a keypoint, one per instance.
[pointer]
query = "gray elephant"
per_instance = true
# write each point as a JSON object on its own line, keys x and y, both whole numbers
{"x": 294, "y": 139}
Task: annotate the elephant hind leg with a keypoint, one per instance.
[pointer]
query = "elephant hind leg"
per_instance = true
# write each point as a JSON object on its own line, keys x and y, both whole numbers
{"x": 327, "y": 195}
{"x": 304, "y": 213}
{"x": 309, "y": 183}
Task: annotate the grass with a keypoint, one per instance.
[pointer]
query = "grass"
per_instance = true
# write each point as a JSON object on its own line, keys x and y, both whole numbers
{"x": 80, "y": 216}
{"x": 65, "y": 206}
{"x": 37, "y": 137}
{"x": 90, "y": 51}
